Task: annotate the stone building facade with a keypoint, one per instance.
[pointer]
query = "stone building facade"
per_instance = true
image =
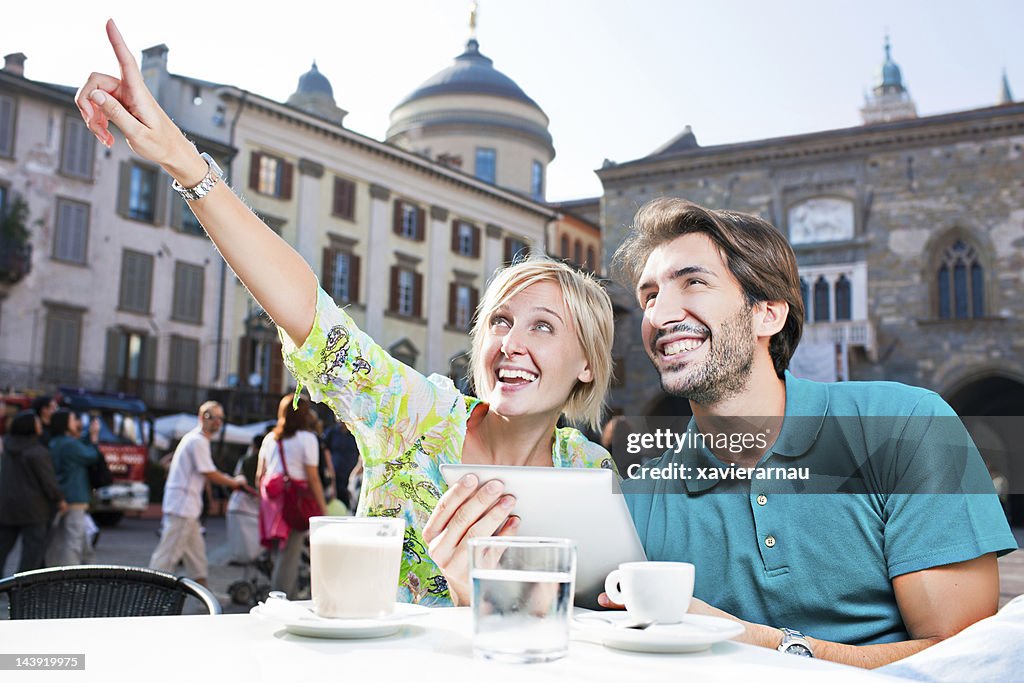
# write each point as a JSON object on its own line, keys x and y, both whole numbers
{"x": 909, "y": 236}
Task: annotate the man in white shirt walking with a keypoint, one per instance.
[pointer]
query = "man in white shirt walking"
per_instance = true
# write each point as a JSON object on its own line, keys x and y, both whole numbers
{"x": 191, "y": 467}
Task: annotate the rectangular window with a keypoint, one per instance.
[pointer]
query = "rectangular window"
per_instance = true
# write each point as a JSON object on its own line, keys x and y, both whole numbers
{"x": 71, "y": 235}
{"x": 61, "y": 344}
{"x": 136, "y": 281}
{"x": 188, "y": 293}
{"x": 7, "y": 109}
{"x": 341, "y": 274}
{"x": 189, "y": 224}
{"x": 142, "y": 193}
{"x": 408, "y": 221}
{"x": 465, "y": 239}
{"x": 462, "y": 301}
{"x": 344, "y": 204}
{"x": 406, "y": 291}
{"x": 486, "y": 164}
{"x": 515, "y": 249}
{"x": 537, "y": 181}
{"x": 270, "y": 175}
{"x": 78, "y": 149}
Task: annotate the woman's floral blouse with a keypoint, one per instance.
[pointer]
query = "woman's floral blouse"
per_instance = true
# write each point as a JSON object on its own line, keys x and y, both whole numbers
{"x": 406, "y": 426}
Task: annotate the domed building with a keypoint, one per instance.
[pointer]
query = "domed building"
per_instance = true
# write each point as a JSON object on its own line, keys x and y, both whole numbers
{"x": 889, "y": 99}
{"x": 316, "y": 96}
{"x": 473, "y": 117}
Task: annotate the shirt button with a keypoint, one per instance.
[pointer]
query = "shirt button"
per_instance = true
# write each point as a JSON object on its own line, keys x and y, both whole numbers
{"x": 769, "y": 541}
{"x": 762, "y": 499}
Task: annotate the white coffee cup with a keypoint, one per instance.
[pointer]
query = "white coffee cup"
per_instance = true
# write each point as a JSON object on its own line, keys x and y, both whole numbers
{"x": 652, "y": 591}
{"x": 354, "y": 564}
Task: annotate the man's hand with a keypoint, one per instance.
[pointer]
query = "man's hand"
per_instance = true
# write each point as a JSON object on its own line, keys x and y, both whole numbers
{"x": 465, "y": 511}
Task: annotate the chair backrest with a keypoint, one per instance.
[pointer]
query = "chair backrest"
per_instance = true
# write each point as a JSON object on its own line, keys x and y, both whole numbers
{"x": 100, "y": 591}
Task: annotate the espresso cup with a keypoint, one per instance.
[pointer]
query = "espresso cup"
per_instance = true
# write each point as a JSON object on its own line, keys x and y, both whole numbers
{"x": 652, "y": 591}
{"x": 354, "y": 564}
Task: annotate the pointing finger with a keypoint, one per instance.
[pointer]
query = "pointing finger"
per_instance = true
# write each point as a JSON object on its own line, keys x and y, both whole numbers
{"x": 129, "y": 67}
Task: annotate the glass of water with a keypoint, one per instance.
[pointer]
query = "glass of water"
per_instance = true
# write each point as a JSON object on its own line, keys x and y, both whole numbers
{"x": 522, "y": 597}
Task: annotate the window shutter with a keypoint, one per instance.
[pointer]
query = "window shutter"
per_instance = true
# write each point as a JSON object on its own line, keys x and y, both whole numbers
{"x": 353, "y": 278}
{"x": 476, "y": 241}
{"x": 149, "y": 357}
{"x": 508, "y": 250}
{"x": 455, "y": 236}
{"x": 474, "y": 301}
{"x": 417, "y": 295}
{"x": 254, "y": 170}
{"x": 160, "y": 191}
{"x": 124, "y": 186}
{"x": 69, "y": 148}
{"x": 178, "y": 208}
{"x": 244, "y": 361}
{"x": 275, "y": 385}
{"x": 421, "y": 224}
{"x": 196, "y": 294}
{"x": 396, "y": 223}
{"x": 287, "y": 172}
{"x": 6, "y": 126}
{"x": 146, "y": 268}
{"x": 327, "y": 271}
{"x": 453, "y": 299}
{"x": 115, "y": 352}
{"x": 393, "y": 299}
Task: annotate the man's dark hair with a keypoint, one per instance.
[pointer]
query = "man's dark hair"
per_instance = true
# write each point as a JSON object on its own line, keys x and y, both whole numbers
{"x": 757, "y": 254}
{"x": 24, "y": 423}
{"x": 40, "y": 402}
{"x": 60, "y": 422}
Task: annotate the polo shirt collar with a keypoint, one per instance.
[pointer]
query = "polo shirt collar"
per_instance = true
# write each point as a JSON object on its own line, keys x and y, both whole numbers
{"x": 804, "y": 398}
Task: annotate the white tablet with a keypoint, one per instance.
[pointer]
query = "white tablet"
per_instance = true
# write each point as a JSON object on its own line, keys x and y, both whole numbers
{"x": 583, "y": 504}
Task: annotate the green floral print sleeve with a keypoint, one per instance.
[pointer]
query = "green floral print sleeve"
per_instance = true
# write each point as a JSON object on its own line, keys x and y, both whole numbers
{"x": 406, "y": 426}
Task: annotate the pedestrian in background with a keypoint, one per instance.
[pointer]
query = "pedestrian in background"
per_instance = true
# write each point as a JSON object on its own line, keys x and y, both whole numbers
{"x": 344, "y": 456}
{"x": 290, "y": 447}
{"x": 44, "y": 406}
{"x": 181, "y": 538}
{"x": 72, "y": 455}
{"x": 29, "y": 493}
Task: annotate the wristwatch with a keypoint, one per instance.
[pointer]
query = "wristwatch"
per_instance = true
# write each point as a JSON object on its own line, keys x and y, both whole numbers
{"x": 795, "y": 643}
{"x": 200, "y": 190}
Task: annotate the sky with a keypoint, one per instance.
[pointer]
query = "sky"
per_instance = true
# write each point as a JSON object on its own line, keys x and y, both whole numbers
{"x": 617, "y": 78}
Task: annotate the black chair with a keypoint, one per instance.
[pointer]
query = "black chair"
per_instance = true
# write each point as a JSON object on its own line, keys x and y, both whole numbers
{"x": 100, "y": 591}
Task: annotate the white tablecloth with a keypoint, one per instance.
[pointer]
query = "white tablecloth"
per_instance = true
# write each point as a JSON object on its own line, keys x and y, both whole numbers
{"x": 242, "y": 647}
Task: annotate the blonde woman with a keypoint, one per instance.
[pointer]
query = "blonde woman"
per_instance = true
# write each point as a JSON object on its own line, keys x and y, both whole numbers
{"x": 541, "y": 349}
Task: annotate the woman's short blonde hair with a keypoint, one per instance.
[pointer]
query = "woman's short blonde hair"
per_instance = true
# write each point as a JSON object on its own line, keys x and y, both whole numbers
{"x": 591, "y": 311}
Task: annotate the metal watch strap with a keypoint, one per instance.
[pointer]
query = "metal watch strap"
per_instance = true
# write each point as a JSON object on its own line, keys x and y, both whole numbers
{"x": 795, "y": 643}
{"x": 203, "y": 187}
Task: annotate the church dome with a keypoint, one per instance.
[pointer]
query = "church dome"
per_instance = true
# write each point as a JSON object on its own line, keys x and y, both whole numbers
{"x": 889, "y": 75}
{"x": 471, "y": 74}
{"x": 313, "y": 82}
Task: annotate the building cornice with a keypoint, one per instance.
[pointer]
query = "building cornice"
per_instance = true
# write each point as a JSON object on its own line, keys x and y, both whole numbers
{"x": 976, "y": 124}
{"x": 385, "y": 150}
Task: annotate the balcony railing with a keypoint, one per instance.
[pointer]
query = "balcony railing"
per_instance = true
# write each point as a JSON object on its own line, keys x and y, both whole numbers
{"x": 242, "y": 405}
{"x": 848, "y": 332}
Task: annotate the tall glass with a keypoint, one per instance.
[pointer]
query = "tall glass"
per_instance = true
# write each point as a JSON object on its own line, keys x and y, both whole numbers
{"x": 354, "y": 564}
{"x": 522, "y": 597}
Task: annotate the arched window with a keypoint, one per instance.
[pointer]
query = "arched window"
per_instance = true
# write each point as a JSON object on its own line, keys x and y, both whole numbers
{"x": 821, "y": 307}
{"x": 805, "y": 294}
{"x": 961, "y": 283}
{"x": 843, "y": 298}
{"x": 591, "y": 260}
{"x": 577, "y": 253}
{"x": 565, "y": 246}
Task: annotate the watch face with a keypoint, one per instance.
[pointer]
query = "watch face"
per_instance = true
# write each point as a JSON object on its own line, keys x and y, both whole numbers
{"x": 798, "y": 650}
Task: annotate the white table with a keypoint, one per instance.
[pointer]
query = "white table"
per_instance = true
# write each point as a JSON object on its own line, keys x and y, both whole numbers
{"x": 244, "y": 648}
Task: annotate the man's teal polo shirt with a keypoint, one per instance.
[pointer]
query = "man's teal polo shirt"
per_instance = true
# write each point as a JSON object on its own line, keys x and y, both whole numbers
{"x": 786, "y": 554}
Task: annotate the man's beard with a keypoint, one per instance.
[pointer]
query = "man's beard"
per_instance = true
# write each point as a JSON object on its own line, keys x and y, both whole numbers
{"x": 726, "y": 366}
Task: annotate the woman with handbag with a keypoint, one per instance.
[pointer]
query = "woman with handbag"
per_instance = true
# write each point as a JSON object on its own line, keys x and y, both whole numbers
{"x": 290, "y": 490}
{"x": 541, "y": 348}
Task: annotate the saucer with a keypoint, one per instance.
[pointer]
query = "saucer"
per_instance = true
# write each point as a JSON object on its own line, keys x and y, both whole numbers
{"x": 695, "y": 633}
{"x": 312, "y": 626}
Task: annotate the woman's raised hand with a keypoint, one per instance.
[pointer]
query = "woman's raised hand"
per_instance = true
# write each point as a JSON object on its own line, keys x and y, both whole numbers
{"x": 127, "y": 103}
